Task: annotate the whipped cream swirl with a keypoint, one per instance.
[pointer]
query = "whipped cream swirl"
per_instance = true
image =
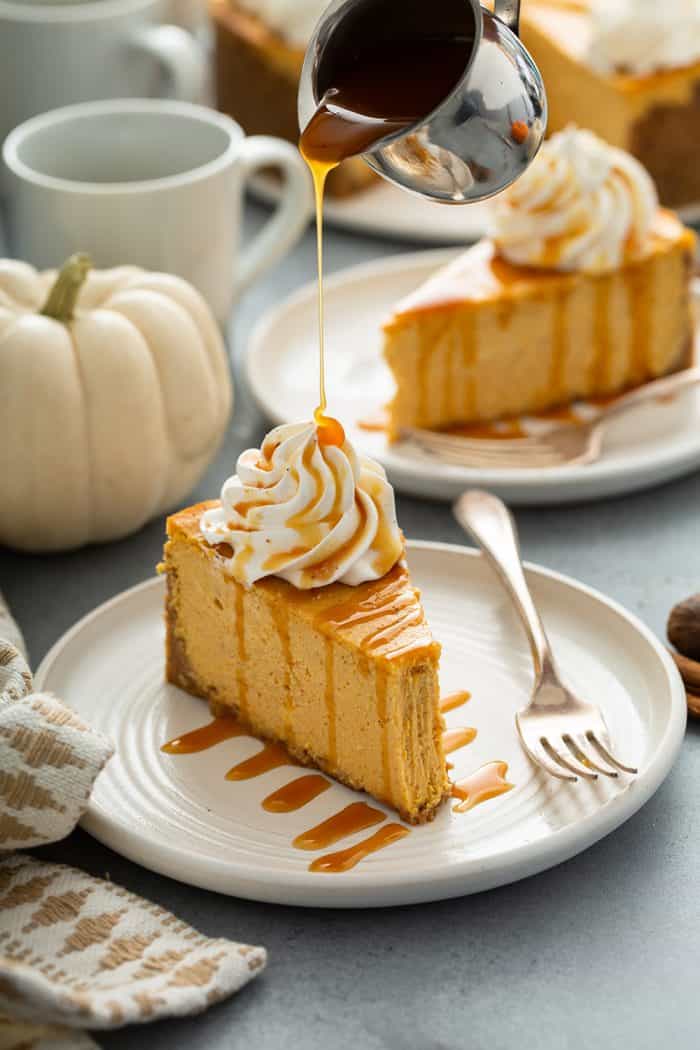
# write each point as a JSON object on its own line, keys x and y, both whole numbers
{"x": 642, "y": 36}
{"x": 293, "y": 20}
{"x": 309, "y": 513}
{"x": 581, "y": 205}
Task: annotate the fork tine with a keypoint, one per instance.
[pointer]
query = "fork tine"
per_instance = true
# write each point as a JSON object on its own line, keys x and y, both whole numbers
{"x": 574, "y": 767}
{"x": 604, "y": 753}
{"x": 540, "y": 758}
{"x": 581, "y": 754}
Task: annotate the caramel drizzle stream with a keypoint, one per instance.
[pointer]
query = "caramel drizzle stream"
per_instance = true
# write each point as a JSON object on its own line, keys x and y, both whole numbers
{"x": 348, "y": 858}
{"x": 296, "y": 793}
{"x": 355, "y": 817}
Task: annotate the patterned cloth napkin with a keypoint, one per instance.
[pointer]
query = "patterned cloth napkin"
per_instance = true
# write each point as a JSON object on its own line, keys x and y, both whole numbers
{"x": 78, "y": 952}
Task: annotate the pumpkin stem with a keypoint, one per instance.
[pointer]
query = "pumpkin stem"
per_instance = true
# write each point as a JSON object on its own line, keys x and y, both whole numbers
{"x": 63, "y": 296}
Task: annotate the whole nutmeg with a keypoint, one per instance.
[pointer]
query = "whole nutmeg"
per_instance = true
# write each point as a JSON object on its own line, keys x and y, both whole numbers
{"x": 683, "y": 628}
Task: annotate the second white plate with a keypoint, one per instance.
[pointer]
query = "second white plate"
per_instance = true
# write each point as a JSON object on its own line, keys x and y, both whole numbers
{"x": 386, "y": 211}
{"x": 654, "y": 444}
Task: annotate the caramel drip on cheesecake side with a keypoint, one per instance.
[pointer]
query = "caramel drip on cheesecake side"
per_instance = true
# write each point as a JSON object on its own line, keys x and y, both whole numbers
{"x": 355, "y": 817}
{"x": 280, "y": 616}
{"x": 269, "y": 757}
{"x": 348, "y": 858}
{"x": 329, "y": 697}
{"x": 560, "y": 346}
{"x": 640, "y": 290}
{"x": 453, "y": 739}
{"x": 241, "y": 655}
{"x": 469, "y": 406}
{"x": 454, "y": 700}
{"x": 204, "y": 737}
{"x": 485, "y": 783}
{"x": 296, "y": 793}
{"x": 383, "y": 719}
{"x": 600, "y": 365}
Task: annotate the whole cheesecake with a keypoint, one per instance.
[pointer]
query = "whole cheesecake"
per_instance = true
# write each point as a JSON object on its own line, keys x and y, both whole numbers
{"x": 582, "y": 292}
{"x": 630, "y": 71}
{"x": 343, "y": 674}
{"x": 259, "y": 52}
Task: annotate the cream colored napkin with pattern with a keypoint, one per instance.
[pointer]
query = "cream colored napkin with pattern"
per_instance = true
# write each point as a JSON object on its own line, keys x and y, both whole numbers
{"x": 78, "y": 952}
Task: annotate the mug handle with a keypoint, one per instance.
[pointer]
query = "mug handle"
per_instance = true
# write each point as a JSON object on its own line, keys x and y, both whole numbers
{"x": 179, "y": 54}
{"x": 291, "y": 216}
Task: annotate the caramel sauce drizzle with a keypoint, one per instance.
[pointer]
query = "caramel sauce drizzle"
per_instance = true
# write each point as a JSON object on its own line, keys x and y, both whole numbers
{"x": 204, "y": 737}
{"x": 382, "y": 716}
{"x": 601, "y": 331}
{"x": 281, "y": 618}
{"x": 640, "y": 291}
{"x": 453, "y": 739}
{"x": 486, "y": 783}
{"x": 329, "y": 692}
{"x": 296, "y": 793}
{"x": 560, "y": 346}
{"x": 348, "y": 858}
{"x": 454, "y": 700}
{"x": 390, "y": 615}
{"x": 355, "y": 817}
{"x": 271, "y": 756}
{"x": 241, "y": 654}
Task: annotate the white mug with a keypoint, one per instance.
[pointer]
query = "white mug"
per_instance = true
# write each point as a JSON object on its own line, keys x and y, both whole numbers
{"x": 56, "y": 52}
{"x": 152, "y": 183}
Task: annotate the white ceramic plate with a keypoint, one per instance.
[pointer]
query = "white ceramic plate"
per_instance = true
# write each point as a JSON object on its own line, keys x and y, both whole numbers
{"x": 654, "y": 444}
{"x": 179, "y": 816}
{"x": 390, "y": 212}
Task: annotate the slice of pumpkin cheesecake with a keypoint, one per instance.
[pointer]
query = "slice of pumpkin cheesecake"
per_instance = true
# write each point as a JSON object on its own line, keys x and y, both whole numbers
{"x": 290, "y": 606}
{"x": 582, "y": 291}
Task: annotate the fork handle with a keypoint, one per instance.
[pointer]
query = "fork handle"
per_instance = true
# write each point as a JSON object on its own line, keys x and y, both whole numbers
{"x": 489, "y": 522}
{"x": 664, "y": 387}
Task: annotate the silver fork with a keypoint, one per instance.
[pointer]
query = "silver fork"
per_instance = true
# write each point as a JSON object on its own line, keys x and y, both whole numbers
{"x": 580, "y": 443}
{"x": 563, "y": 734}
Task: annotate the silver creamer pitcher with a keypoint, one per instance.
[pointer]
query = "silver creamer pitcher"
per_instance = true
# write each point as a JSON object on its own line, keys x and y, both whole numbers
{"x": 484, "y": 134}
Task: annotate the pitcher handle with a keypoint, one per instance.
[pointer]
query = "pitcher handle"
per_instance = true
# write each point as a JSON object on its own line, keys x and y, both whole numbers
{"x": 508, "y": 11}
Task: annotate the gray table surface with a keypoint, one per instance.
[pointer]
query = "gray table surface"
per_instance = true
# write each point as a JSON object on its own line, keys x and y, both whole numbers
{"x": 601, "y": 951}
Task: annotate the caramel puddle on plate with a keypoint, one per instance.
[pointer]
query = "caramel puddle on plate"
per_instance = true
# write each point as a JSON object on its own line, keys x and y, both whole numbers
{"x": 296, "y": 793}
{"x": 269, "y": 757}
{"x": 487, "y": 782}
{"x": 348, "y": 858}
{"x": 454, "y": 700}
{"x": 355, "y": 817}
{"x": 453, "y": 739}
{"x": 205, "y": 737}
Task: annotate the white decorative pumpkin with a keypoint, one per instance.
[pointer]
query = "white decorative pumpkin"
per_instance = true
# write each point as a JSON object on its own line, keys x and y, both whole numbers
{"x": 114, "y": 397}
